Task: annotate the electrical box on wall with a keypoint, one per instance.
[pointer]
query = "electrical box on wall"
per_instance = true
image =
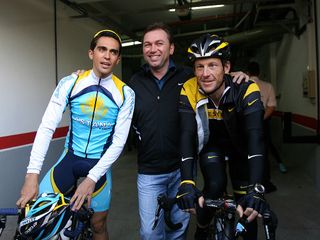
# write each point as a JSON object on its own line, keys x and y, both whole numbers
{"x": 309, "y": 84}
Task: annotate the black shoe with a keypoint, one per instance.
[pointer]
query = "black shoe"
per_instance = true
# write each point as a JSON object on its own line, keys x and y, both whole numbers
{"x": 270, "y": 187}
{"x": 201, "y": 233}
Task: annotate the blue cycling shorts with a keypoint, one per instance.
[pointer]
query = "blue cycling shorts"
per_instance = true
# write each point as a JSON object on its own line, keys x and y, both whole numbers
{"x": 65, "y": 174}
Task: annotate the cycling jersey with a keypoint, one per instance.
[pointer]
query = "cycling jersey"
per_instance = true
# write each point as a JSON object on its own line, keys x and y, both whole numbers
{"x": 100, "y": 116}
{"x": 237, "y": 116}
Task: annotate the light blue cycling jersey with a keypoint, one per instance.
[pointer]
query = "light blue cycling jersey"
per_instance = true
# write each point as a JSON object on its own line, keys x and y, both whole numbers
{"x": 100, "y": 117}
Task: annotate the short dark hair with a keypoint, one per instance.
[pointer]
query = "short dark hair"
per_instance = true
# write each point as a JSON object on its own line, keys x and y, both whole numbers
{"x": 161, "y": 26}
{"x": 105, "y": 33}
{"x": 253, "y": 69}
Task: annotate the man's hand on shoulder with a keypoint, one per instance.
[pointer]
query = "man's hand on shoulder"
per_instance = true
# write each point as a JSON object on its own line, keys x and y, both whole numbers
{"x": 79, "y": 72}
{"x": 239, "y": 77}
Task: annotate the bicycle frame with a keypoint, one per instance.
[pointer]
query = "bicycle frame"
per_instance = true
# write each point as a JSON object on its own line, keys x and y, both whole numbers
{"x": 225, "y": 225}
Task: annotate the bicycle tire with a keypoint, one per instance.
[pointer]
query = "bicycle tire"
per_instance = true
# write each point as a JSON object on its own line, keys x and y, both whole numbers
{"x": 86, "y": 235}
{"x": 213, "y": 232}
{"x": 220, "y": 229}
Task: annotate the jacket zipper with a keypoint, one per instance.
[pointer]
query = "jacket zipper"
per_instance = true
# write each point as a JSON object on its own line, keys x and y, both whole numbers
{"x": 92, "y": 118}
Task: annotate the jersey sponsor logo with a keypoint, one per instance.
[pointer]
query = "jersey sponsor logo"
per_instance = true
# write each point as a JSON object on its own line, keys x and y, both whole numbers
{"x": 256, "y": 155}
{"x": 100, "y": 108}
{"x": 184, "y": 159}
{"x": 231, "y": 109}
{"x": 252, "y": 102}
{"x": 95, "y": 124}
{"x": 181, "y": 195}
{"x": 215, "y": 114}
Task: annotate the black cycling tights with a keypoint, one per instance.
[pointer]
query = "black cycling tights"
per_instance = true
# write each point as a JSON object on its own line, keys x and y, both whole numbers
{"x": 213, "y": 168}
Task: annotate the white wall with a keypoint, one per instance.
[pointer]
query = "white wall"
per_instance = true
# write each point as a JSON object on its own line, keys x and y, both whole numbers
{"x": 292, "y": 61}
{"x": 26, "y": 40}
{"x": 27, "y": 59}
{"x": 285, "y": 63}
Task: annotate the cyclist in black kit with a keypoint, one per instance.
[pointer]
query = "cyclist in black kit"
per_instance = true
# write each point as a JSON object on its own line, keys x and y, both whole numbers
{"x": 220, "y": 120}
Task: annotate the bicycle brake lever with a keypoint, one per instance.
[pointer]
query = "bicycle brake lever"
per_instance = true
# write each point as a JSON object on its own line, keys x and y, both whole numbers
{"x": 165, "y": 204}
{"x": 156, "y": 216}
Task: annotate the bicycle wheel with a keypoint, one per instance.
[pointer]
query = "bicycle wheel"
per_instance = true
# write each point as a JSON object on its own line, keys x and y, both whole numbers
{"x": 222, "y": 229}
{"x": 219, "y": 229}
{"x": 86, "y": 234}
{"x": 211, "y": 232}
{"x": 215, "y": 231}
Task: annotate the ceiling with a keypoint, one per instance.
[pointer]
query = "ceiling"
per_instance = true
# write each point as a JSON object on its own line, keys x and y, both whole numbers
{"x": 240, "y": 21}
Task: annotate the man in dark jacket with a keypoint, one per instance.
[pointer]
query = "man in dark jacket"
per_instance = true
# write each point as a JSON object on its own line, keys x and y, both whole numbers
{"x": 156, "y": 122}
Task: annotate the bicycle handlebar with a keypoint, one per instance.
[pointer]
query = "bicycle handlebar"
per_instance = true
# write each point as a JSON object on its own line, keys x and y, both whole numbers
{"x": 9, "y": 211}
{"x": 4, "y": 212}
{"x": 227, "y": 204}
{"x": 166, "y": 204}
{"x": 269, "y": 218}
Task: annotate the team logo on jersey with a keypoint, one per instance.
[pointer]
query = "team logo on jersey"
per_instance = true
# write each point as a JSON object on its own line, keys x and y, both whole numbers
{"x": 215, "y": 114}
{"x": 231, "y": 109}
{"x": 100, "y": 110}
{"x": 252, "y": 102}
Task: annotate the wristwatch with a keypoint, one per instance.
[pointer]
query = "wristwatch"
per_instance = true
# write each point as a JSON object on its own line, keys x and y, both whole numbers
{"x": 259, "y": 188}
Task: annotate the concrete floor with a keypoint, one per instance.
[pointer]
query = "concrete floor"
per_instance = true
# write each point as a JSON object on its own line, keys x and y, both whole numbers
{"x": 295, "y": 202}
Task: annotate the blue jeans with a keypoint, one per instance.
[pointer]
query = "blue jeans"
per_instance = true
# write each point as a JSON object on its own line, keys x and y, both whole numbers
{"x": 149, "y": 187}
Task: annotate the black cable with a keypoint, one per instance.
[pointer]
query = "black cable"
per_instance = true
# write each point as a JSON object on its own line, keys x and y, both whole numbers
{"x": 55, "y": 40}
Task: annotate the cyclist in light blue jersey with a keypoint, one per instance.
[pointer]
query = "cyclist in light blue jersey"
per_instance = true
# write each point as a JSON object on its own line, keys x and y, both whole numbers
{"x": 101, "y": 108}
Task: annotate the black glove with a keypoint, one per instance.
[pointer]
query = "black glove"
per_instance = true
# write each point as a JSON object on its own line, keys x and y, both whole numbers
{"x": 254, "y": 199}
{"x": 187, "y": 195}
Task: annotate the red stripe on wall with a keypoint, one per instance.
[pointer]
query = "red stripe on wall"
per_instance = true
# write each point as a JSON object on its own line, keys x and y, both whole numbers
{"x": 305, "y": 121}
{"x": 277, "y": 114}
{"x": 27, "y": 138}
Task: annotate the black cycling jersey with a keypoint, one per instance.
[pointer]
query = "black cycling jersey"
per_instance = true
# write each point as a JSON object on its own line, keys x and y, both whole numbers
{"x": 235, "y": 128}
{"x": 220, "y": 137}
